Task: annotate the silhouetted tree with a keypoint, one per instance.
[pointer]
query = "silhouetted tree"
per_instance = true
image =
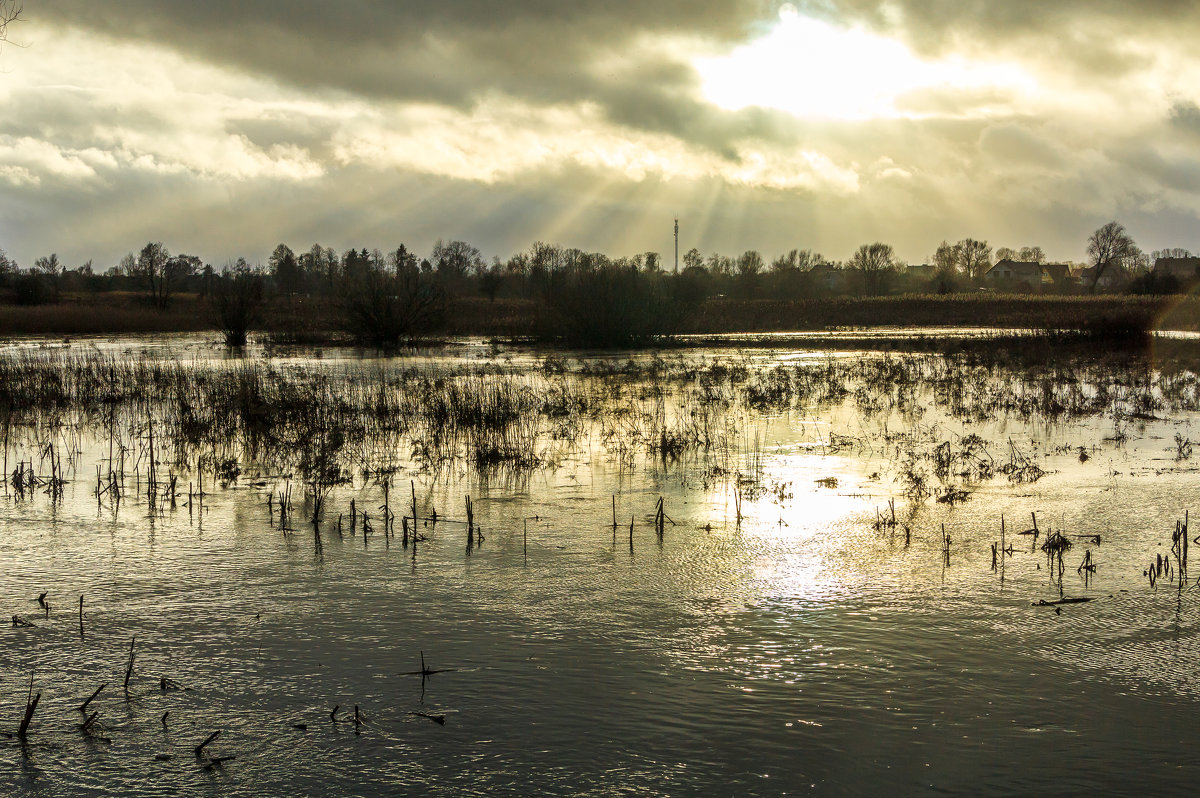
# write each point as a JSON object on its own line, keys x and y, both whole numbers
{"x": 8, "y": 266}
{"x": 401, "y": 260}
{"x": 1170, "y": 252}
{"x": 873, "y": 262}
{"x": 454, "y": 262}
{"x": 150, "y": 268}
{"x": 974, "y": 257}
{"x": 749, "y": 266}
{"x": 490, "y": 281}
{"x": 48, "y": 266}
{"x": 236, "y": 300}
{"x": 608, "y": 305}
{"x": 1109, "y": 245}
{"x": 285, "y": 270}
{"x": 382, "y": 307}
{"x": 1032, "y": 255}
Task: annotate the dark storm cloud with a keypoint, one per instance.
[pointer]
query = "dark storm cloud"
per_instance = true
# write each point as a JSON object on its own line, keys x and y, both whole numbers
{"x": 452, "y": 52}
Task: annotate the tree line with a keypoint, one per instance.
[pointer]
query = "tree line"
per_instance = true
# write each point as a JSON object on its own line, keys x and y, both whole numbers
{"x": 385, "y": 296}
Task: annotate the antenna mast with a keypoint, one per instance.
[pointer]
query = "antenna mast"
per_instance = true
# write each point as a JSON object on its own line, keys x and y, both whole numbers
{"x": 677, "y": 245}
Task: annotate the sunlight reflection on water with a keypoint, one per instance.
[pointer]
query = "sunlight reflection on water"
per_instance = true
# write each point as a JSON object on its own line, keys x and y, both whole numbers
{"x": 811, "y": 643}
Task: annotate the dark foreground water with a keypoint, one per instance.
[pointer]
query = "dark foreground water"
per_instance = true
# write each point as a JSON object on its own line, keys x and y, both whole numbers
{"x": 807, "y": 648}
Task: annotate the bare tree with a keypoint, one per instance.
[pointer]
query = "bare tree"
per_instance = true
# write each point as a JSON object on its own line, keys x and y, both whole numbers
{"x": 1107, "y": 246}
{"x": 873, "y": 262}
{"x": 796, "y": 259}
{"x": 1170, "y": 252}
{"x": 236, "y": 302}
{"x": 151, "y": 267}
{"x": 945, "y": 258}
{"x": 974, "y": 257}
{"x": 383, "y": 307}
{"x": 456, "y": 260}
{"x": 10, "y": 11}
{"x": 7, "y": 265}
{"x": 48, "y": 266}
{"x": 1032, "y": 254}
{"x": 749, "y": 264}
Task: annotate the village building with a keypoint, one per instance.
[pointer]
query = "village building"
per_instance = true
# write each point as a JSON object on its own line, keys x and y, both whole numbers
{"x": 827, "y": 276}
{"x": 1025, "y": 274}
{"x": 1185, "y": 271}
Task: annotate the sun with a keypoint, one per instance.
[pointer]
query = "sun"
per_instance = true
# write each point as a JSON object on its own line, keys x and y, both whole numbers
{"x": 810, "y": 68}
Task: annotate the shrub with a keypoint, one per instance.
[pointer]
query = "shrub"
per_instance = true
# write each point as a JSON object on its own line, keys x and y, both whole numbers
{"x": 236, "y": 301}
{"x": 383, "y": 308}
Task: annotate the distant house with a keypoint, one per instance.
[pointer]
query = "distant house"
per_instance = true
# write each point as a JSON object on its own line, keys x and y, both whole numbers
{"x": 1184, "y": 270}
{"x": 921, "y": 271}
{"x": 827, "y": 276}
{"x": 1023, "y": 273}
{"x": 1058, "y": 274}
{"x": 1112, "y": 276}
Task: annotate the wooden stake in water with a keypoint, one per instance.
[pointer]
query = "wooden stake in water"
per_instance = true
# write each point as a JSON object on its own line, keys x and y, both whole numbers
{"x": 631, "y": 534}
{"x": 387, "y": 512}
{"x": 81, "y": 617}
{"x": 525, "y": 541}
{"x": 150, "y": 489}
{"x": 129, "y": 667}
{"x": 470, "y": 526}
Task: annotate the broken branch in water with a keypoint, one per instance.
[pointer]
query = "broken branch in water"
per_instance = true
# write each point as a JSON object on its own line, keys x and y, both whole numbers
{"x": 1044, "y": 603}
{"x": 438, "y": 719}
{"x": 200, "y": 748}
{"x": 92, "y": 697}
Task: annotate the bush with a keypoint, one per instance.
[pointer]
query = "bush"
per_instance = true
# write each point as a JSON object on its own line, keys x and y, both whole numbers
{"x": 383, "y": 308}
{"x": 236, "y": 302}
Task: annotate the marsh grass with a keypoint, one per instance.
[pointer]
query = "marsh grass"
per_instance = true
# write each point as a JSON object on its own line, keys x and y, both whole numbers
{"x": 330, "y": 424}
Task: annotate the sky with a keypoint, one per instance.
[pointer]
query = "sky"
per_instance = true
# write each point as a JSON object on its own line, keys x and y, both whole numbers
{"x": 223, "y": 128}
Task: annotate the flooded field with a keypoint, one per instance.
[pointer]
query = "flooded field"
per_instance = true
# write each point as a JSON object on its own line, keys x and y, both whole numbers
{"x": 482, "y": 570}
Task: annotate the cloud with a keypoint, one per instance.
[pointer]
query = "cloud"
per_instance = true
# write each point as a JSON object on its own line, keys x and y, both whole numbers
{"x": 1020, "y": 147}
{"x": 222, "y": 128}
{"x": 629, "y": 58}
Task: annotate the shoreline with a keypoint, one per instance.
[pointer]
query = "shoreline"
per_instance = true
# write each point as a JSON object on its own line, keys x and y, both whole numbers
{"x": 300, "y": 320}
